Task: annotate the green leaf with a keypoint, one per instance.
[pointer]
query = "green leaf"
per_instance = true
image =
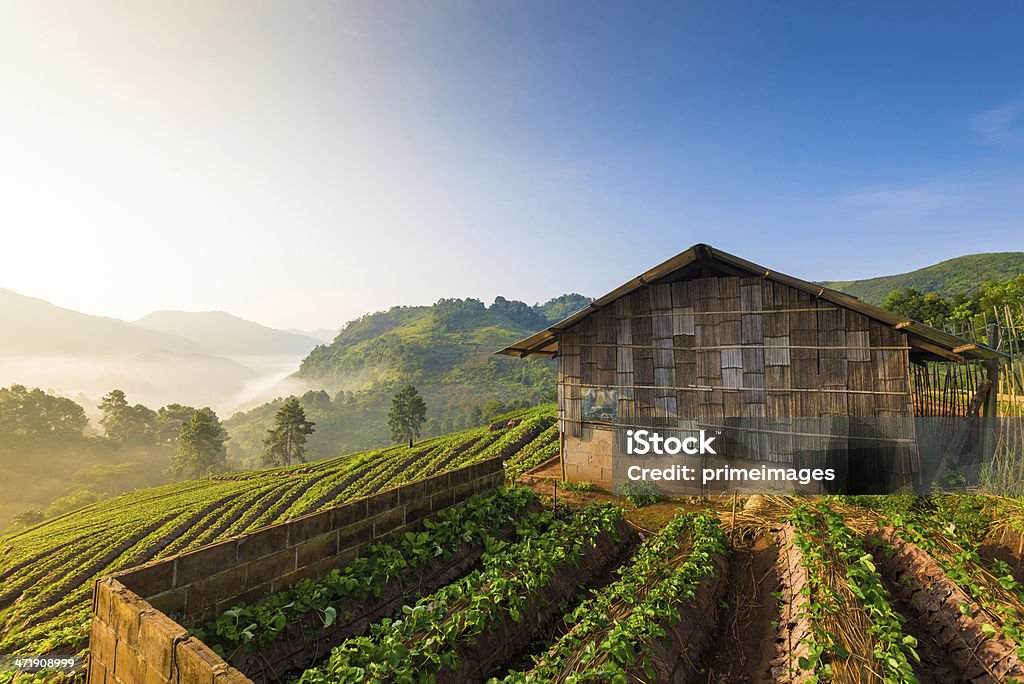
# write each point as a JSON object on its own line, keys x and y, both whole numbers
{"x": 868, "y": 562}
{"x": 649, "y": 669}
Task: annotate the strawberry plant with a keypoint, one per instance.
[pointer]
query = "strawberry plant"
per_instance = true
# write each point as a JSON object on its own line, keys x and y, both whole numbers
{"x": 850, "y": 611}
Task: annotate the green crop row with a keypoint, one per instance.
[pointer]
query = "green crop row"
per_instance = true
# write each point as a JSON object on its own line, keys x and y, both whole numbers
{"x": 991, "y": 584}
{"x": 476, "y": 523}
{"x": 830, "y": 550}
{"x": 610, "y": 634}
{"x": 533, "y": 454}
{"x": 425, "y": 639}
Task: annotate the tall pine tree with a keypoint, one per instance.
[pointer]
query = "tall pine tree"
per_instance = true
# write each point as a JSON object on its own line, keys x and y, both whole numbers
{"x": 286, "y": 441}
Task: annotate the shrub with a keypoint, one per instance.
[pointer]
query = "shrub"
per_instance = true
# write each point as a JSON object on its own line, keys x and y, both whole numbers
{"x": 28, "y": 517}
{"x": 72, "y": 502}
{"x": 640, "y": 493}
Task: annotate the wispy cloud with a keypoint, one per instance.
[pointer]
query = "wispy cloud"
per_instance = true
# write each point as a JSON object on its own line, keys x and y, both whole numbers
{"x": 1001, "y": 126}
{"x": 901, "y": 202}
{"x": 986, "y": 204}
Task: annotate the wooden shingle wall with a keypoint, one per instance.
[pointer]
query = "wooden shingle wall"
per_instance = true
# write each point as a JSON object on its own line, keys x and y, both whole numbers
{"x": 744, "y": 351}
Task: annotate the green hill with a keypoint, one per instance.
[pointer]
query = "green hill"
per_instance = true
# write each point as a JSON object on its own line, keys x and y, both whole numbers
{"x": 47, "y": 571}
{"x": 963, "y": 274}
{"x": 445, "y": 350}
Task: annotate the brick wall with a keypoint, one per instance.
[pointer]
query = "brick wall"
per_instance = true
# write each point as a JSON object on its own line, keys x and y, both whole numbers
{"x": 136, "y": 636}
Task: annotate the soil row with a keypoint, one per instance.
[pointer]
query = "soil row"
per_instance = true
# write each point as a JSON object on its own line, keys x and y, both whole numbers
{"x": 945, "y": 612}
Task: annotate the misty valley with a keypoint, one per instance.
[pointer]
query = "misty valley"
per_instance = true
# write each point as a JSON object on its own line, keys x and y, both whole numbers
{"x": 116, "y": 396}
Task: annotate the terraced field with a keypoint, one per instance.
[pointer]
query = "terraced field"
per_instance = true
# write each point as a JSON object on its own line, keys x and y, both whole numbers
{"x": 837, "y": 589}
{"x": 510, "y": 589}
{"x": 47, "y": 571}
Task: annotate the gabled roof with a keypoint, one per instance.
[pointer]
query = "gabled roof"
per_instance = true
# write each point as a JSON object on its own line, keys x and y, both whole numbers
{"x": 704, "y": 260}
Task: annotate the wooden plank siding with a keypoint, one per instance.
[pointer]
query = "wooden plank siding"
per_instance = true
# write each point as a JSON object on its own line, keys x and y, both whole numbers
{"x": 746, "y": 349}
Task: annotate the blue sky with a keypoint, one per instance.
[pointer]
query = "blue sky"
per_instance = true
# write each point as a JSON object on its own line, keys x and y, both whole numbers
{"x": 301, "y": 164}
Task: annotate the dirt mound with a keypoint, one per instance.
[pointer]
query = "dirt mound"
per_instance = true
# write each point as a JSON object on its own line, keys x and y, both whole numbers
{"x": 946, "y": 612}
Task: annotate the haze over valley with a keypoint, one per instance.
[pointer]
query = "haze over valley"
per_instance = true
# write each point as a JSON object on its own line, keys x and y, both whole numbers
{"x": 201, "y": 359}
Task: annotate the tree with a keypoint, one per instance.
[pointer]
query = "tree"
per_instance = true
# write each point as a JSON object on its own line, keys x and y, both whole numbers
{"x": 31, "y": 416}
{"x": 286, "y": 441}
{"x": 408, "y": 411}
{"x": 201, "y": 448}
{"x": 493, "y": 409}
{"x": 28, "y": 517}
{"x": 317, "y": 400}
{"x": 115, "y": 415}
{"x": 123, "y": 423}
{"x": 930, "y": 309}
{"x": 169, "y": 421}
{"x": 518, "y": 312}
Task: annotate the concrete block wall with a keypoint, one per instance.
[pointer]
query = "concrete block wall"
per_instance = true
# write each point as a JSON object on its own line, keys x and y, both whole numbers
{"x": 588, "y": 457}
{"x": 136, "y": 635}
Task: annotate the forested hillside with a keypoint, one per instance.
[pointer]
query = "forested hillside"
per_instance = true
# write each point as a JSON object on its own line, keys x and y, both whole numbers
{"x": 445, "y": 350}
{"x": 963, "y": 274}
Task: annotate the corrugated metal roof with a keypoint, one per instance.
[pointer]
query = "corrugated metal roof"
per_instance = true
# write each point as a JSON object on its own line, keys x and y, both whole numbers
{"x": 921, "y": 336}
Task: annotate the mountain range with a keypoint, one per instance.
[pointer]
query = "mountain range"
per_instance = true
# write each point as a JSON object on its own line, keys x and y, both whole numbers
{"x": 202, "y": 359}
{"x": 34, "y": 327}
{"x": 219, "y": 332}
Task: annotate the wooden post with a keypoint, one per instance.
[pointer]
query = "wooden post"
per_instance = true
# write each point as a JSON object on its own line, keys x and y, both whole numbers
{"x": 732, "y": 529}
{"x": 992, "y": 400}
{"x": 561, "y": 448}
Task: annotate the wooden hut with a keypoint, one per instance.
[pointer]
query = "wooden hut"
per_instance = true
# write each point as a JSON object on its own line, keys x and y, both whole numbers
{"x": 784, "y": 370}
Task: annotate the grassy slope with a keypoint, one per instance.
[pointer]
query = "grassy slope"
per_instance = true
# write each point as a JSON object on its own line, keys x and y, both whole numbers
{"x": 962, "y": 274}
{"x": 445, "y": 350}
{"x": 421, "y": 344}
{"x": 48, "y": 570}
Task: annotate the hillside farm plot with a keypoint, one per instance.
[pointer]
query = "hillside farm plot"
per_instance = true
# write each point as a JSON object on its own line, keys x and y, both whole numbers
{"x": 465, "y": 630}
{"x": 880, "y": 589}
{"x": 558, "y": 585}
{"x": 287, "y": 629}
{"x": 47, "y": 571}
{"x": 891, "y": 589}
{"x": 840, "y": 589}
